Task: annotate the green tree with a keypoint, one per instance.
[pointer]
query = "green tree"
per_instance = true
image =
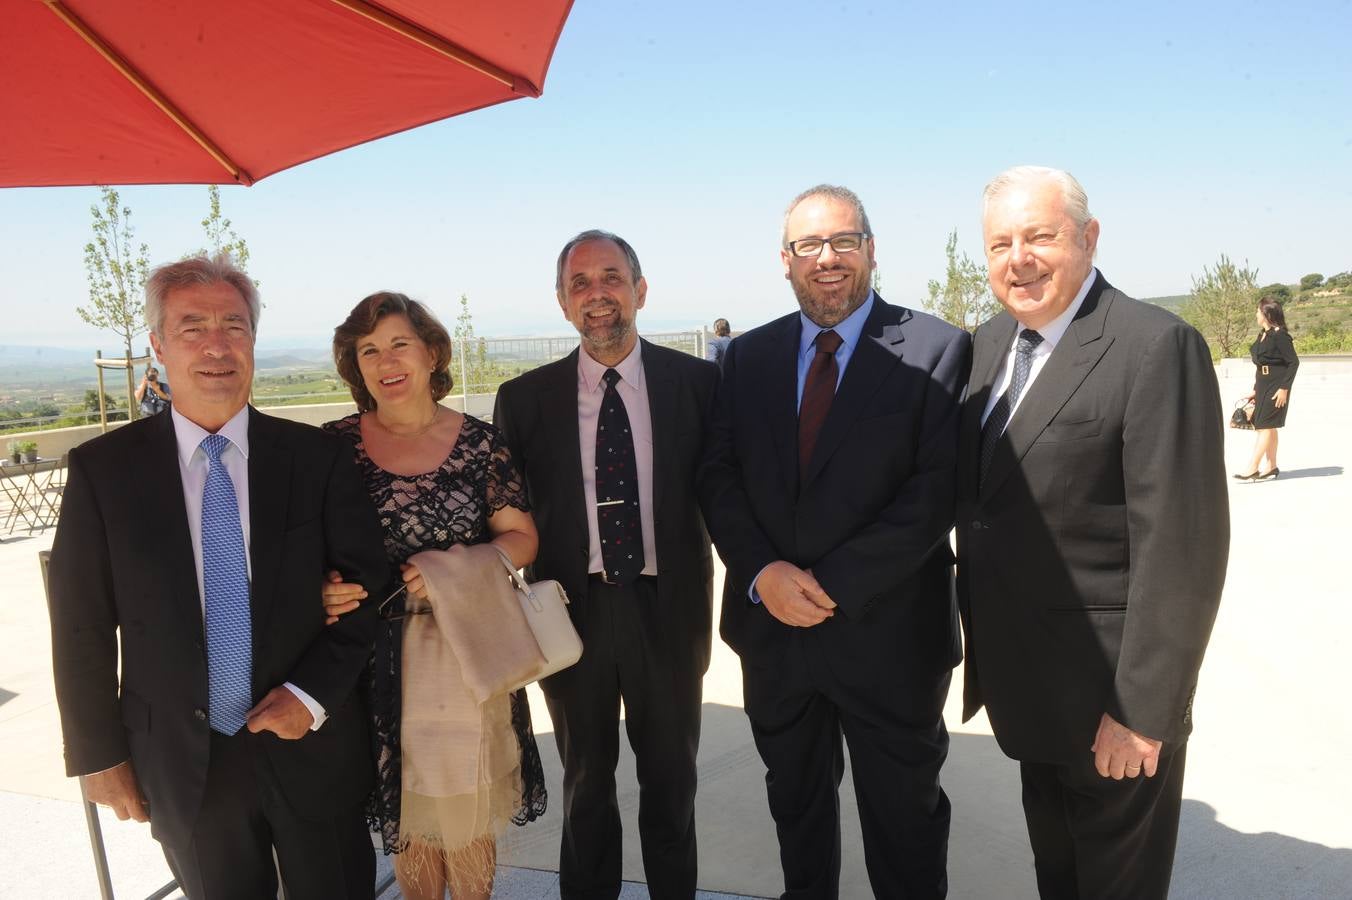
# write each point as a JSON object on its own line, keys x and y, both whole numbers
{"x": 1279, "y": 292}
{"x": 91, "y": 401}
{"x": 1221, "y": 305}
{"x": 963, "y": 298}
{"x": 478, "y": 370}
{"x": 117, "y": 270}
{"x": 221, "y": 236}
{"x": 1311, "y": 281}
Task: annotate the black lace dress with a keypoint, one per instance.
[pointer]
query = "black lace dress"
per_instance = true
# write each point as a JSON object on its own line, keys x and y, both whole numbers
{"x": 450, "y": 505}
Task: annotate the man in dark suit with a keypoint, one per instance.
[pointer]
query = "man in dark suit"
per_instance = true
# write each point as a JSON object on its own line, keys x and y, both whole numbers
{"x": 234, "y": 727}
{"x": 1093, "y": 530}
{"x": 608, "y": 439}
{"x": 828, "y": 487}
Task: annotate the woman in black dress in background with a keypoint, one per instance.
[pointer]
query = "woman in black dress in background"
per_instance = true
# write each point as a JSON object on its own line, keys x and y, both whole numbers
{"x": 1274, "y": 355}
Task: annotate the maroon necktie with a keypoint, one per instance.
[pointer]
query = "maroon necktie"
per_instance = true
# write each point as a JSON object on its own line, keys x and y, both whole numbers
{"x": 818, "y": 390}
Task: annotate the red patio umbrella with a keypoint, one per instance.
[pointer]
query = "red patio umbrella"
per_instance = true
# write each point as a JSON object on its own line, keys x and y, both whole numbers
{"x": 205, "y": 91}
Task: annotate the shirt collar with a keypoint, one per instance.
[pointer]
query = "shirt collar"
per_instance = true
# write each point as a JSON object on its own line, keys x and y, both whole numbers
{"x": 848, "y": 329}
{"x": 630, "y": 369}
{"x": 190, "y": 435}
{"x": 1056, "y": 329}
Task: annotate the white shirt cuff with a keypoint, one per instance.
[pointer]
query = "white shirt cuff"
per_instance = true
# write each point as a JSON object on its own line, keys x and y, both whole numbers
{"x": 311, "y": 704}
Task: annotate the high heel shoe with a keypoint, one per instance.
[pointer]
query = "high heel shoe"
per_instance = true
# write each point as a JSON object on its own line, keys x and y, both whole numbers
{"x": 1268, "y": 475}
{"x": 1253, "y": 476}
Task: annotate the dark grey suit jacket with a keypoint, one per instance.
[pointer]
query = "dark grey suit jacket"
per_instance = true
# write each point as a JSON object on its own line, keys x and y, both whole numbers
{"x": 537, "y": 413}
{"x": 122, "y": 568}
{"x": 1092, "y": 558}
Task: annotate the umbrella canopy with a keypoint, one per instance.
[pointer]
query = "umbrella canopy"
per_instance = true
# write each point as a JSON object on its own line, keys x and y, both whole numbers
{"x": 200, "y": 91}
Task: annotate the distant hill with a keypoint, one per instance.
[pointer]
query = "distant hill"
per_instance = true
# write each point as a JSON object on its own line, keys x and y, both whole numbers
{"x": 293, "y": 361}
{"x": 1173, "y": 304}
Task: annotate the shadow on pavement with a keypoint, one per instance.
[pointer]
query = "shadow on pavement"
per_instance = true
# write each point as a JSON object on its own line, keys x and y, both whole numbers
{"x": 1317, "y": 472}
{"x": 1217, "y": 861}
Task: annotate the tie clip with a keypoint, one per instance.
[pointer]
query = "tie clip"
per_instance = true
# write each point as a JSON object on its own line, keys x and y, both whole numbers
{"x": 608, "y": 502}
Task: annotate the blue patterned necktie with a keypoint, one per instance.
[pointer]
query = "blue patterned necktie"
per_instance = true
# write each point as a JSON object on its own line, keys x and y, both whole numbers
{"x": 617, "y": 519}
{"x": 1004, "y": 407}
{"x": 225, "y": 577}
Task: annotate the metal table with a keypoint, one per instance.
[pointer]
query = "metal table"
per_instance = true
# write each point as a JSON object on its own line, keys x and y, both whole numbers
{"x": 33, "y": 498}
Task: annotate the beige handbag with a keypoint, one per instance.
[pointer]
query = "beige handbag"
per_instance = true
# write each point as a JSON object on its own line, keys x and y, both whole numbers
{"x": 545, "y": 605}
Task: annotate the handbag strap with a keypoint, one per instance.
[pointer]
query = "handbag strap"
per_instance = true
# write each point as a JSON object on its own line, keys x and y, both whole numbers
{"x": 518, "y": 582}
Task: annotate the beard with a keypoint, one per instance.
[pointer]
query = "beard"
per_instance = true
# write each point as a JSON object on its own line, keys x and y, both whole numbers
{"x": 604, "y": 338}
{"x": 829, "y": 312}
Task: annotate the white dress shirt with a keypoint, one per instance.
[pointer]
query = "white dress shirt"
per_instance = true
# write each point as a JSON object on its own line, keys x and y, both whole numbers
{"x": 1051, "y": 333}
{"x": 192, "y": 469}
{"x": 633, "y": 390}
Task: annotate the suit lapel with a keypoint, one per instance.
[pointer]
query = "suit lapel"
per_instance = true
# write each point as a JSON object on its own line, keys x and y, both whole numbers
{"x": 876, "y": 354}
{"x": 558, "y": 416}
{"x": 781, "y": 377}
{"x": 165, "y": 505}
{"x": 990, "y": 347}
{"x": 662, "y": 410}
{"x": 1074, "y": 358}
{"x": 269, "y": 476}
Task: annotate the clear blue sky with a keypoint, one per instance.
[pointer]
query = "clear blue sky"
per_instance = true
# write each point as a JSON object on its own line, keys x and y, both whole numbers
{"x": 1197, "y": 129}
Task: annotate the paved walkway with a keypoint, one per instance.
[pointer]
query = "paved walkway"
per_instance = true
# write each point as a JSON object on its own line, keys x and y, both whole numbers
{"x": 1268, "y": 788}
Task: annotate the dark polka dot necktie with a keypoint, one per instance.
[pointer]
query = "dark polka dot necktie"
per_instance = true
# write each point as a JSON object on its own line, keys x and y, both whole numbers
{"x": 617, "y": 518}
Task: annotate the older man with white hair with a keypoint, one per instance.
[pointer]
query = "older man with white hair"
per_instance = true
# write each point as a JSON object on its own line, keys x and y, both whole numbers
{"x": 1093, "y": 531}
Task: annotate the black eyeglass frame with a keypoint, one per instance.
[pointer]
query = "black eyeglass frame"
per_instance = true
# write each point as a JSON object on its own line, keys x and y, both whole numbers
{"x": 861, "y": 235}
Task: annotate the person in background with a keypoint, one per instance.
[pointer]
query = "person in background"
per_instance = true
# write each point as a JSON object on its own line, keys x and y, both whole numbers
{"x": 1274, "y": 357}
{"x": 717, "y": 348}
{"x": 439, "y": 478}
{"x": 152, "y": 394}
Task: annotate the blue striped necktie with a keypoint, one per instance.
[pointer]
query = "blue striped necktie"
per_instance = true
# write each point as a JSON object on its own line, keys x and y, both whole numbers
{"x": 225, "y": 578}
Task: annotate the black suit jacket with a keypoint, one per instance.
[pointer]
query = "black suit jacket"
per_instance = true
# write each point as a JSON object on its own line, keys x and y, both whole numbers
{"x": 122, "y": 567}
{"x": 1092, "y": 558}
{"x": 537, "y": 413}
{"x": 872, "y": 517}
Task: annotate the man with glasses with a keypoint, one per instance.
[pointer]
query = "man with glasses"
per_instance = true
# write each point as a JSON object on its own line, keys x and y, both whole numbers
{"x": 608, "y": 439}
{"x": 828, "y": 487}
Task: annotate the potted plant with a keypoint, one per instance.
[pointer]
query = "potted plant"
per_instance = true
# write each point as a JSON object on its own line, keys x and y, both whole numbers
{"x": 15, "y": 454}
{"x": 29, "y": 449}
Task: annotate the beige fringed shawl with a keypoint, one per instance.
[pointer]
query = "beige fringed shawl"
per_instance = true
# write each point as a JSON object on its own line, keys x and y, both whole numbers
{"x": 461, "y": 759}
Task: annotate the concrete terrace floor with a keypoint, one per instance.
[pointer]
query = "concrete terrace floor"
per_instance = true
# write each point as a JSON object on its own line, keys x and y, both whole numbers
{"x": 1268, "y": 785}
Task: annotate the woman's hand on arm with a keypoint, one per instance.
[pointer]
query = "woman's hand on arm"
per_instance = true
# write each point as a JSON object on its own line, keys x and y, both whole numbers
{"x": 514, "y": 533}
{"x": 340, "y": 596}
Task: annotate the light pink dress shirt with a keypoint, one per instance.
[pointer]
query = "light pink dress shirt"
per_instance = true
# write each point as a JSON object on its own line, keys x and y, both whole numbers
{"x": 634, "y": 392}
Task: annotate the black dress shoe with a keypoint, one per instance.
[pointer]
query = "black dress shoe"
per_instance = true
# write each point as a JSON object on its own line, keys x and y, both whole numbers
{"x": 1251, "y": 477}
{"x": 1268, "y": 475}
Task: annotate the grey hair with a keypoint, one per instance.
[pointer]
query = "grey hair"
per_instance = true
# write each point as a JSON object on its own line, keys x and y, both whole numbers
{"x": 597, "y": 234}
{"x": 835, "y": 192}
{"x": 1073, "y": 197}
{"x": 197, "y": 270}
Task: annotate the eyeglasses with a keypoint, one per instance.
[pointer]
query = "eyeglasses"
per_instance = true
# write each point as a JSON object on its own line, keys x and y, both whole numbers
{"x": 848, "y": 242}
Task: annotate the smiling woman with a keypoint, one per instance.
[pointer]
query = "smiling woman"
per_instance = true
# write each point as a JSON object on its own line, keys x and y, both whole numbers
{"x": 439, "y": 480}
